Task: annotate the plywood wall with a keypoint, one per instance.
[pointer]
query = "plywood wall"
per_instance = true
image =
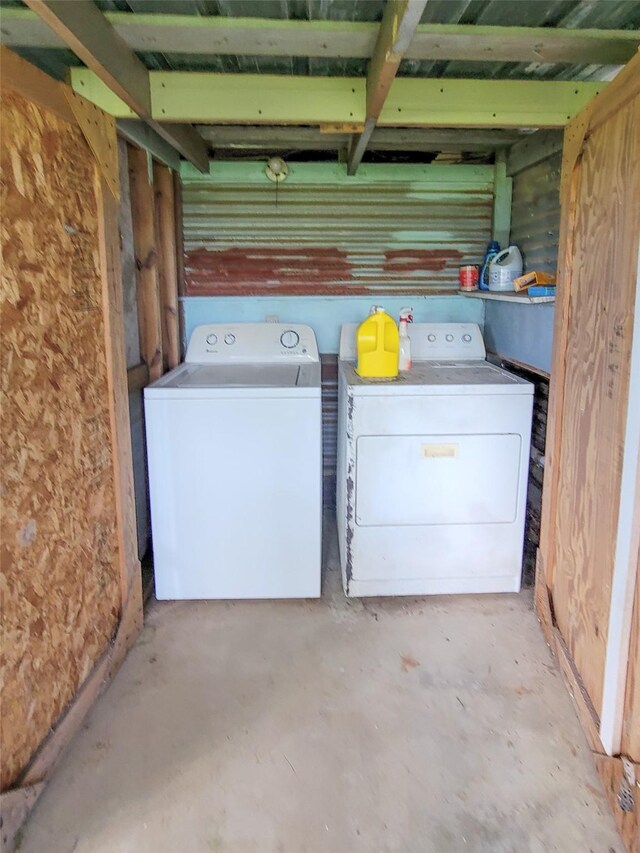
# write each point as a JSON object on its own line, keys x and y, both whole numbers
{"x": 60, "y": 583}
{"x": 597, "y": 358}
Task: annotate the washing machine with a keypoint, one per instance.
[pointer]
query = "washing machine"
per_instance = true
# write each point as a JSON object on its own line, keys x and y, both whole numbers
{"x": 234, "y": 449}
{"x": 432, "y": 469}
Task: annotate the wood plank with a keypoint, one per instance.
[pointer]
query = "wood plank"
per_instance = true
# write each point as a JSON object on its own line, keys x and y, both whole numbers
{"x": 269, "y": 138}
{"x": 193, "y": 96}
{"x": 144, "y": 241}
{"x": 599, "y": 337}
{"x": 115, "y": 351}
{"x": 167, "y": 266}
{"x": 399, "y": 21}
{"x": 83, "y": 27}
{"x": 191, "y": 34}
{"x": 99, "y": 131}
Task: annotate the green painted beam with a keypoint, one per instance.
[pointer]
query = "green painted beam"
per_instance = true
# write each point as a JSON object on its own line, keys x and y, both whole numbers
{"x": 241, "y": 98}
{"x": 484, "y": 103}
{"x": 178, "y": 96}
{"x": 209, "y": 35}
{"x": 445, "y": 177}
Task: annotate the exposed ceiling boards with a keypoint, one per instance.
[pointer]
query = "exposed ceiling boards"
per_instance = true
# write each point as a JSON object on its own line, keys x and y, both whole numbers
{"x": 258, "y": 42}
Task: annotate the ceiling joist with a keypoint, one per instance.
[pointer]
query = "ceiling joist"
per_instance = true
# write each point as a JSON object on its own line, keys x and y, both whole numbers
{"x": 85, "y": 30}
{"x": 228, "y": 36}
{"x": 225, "y": 137}
{"x": 178, "y": 96}
{"x": 399, "y": 22}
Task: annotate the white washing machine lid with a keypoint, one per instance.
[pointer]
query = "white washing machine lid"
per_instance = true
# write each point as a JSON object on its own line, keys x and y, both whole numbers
{"x": 208, "y": 381}
{"x": 438, "y": 377}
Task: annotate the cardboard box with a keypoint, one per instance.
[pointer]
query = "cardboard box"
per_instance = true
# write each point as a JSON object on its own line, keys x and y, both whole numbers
{"x": 529, "y": 278}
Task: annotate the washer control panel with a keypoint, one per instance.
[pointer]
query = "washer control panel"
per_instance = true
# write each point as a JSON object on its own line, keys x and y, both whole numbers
{"x": 252, "y": 342}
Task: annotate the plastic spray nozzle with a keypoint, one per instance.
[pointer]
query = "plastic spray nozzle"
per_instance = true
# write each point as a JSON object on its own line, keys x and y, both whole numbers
{"x": 406, "y": 315}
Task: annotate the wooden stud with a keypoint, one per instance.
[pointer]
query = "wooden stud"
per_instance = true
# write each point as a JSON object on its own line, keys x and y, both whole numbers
{"x": 167, "y": 269}
{"x": 83, "y": 27}
{"x": 192, "y": 34}
{"x": 144, "y": 242}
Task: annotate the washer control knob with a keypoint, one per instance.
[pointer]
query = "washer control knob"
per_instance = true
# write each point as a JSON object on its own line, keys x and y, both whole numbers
{"x": 230, "y": 338}
{"x": 212, "y": 339}
{"x": 289, "y": 339}
{"x": 431, "y": 337}
{"x": 448, "y": 338}
{"x": 466, "y": 338}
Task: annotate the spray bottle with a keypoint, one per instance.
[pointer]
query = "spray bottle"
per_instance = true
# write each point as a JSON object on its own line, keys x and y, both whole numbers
{"x": 404, "y": 351}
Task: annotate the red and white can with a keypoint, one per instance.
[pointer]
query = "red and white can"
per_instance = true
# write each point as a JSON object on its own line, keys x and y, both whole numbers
{"x": 469, "y": 275}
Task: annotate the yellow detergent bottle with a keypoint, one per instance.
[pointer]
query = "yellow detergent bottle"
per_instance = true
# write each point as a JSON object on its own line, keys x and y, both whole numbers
{"x": 377, "y": 344}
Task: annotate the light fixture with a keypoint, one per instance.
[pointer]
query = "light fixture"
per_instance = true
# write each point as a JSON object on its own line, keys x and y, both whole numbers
{"x": 276, "y": 170}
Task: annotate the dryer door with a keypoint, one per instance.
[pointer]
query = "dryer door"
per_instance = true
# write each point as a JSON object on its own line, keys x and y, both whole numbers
{"x": 437, "y": 479}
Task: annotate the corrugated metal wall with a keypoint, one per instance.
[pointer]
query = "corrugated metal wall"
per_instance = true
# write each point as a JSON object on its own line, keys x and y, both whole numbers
{"x": 535, "y": 215}
{"x": 333, "y": 236}
{"x": 400, "y": 230}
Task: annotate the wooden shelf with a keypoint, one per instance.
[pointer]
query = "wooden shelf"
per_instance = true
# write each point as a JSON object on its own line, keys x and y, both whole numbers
{"x": 507, "y": 297}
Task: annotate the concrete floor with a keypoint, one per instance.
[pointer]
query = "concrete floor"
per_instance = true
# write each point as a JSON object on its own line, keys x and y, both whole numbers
{"x": 391, "y": 726}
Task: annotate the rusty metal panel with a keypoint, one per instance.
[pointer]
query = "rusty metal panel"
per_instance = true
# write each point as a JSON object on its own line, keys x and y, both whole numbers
{"x": 535, "y": 214}
{"x": 332, "y": 238}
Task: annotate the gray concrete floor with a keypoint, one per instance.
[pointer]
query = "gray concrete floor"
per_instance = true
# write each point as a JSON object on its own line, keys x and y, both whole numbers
{"x": 391, "y": 726}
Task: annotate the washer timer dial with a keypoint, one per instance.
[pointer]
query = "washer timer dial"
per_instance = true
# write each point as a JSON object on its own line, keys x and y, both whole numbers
{"x": 289, "y": 339}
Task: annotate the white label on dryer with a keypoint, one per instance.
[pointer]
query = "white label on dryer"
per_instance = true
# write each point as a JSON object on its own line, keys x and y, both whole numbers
{"x": 439, "y": 451}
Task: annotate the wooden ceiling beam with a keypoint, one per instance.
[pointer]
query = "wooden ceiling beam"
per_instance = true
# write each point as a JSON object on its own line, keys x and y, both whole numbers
{"x": 399, "y": 22}
{"x": 85, "y": 30}
{"x": 228, "y": 36}
{"x": 255, "y": 99}
{"x": 274, "y": 138}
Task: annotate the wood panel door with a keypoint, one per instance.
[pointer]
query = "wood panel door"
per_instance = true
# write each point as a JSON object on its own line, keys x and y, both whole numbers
{"x": 587, "y": 556}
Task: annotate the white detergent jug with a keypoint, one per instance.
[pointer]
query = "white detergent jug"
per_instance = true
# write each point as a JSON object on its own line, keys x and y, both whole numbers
{"x": 504, "y": 268}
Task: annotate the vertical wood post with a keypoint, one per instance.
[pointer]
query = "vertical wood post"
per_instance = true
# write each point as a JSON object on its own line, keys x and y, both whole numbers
{"x": 144, "y": 244}
{"x": 179, "y": 224}
{"x": 167, "y": 266}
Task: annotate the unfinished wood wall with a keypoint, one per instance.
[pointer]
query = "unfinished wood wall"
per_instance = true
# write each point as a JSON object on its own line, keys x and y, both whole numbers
{"x": 61, "y": 587}
{"x": 597, "y": 358}
{"x": 588, "y": 559}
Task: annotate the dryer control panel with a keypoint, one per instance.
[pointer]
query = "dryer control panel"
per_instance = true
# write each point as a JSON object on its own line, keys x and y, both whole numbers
{"x": 218, "y": 343}
{"x": 430, "y": 341}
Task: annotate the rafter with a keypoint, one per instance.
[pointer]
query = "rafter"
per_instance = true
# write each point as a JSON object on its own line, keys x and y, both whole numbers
{"x": 228, "y": 36}
{"x": 399, "y": 22}
{"x": 85, "y": 30}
